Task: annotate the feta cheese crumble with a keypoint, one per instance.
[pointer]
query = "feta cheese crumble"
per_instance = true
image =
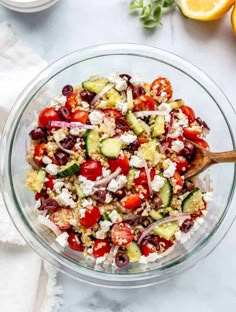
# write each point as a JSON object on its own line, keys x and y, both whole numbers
{"x": 86, "y": 185}
{"x": 62, "y": 239}
{"x": 46, "y": 160}
{"x": 108, "y": 198}
{"x": 157, "y": 183}
{"x": 137, "y": 162}
{"x": 120, "y": 83}
{"x": 136, "y": 81}
{"x": 86, "y": 202}
{"x": 105, "y": 172}
{"x": 128, "y": 138}
{"x": 117, "y": 184}
{"x": 177, "y": 146}
{"x": 75, "y": 131}
{"x": 84, "y": 104}
{"x": 51, "y": 169}
{"x": 164, "y": 109}
{"x": 115, "y": 217}
{"x": 65, "y": 198}
{"x": 96, "y": 117}
{"x": 170, "y": 170}
{"x": 59, "y": 101}
{"x": 122, "y": 107}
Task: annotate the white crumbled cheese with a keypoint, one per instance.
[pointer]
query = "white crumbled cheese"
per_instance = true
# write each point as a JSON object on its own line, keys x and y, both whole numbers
{"x": 90, "y": 250}
{"x": 65, "y": 198}
{"x": 136, "y": 174}
{"x": 164, "y": 109}
{"x": 177, "y": 146}
{"x": 183, "y": 119}
{"x": 84, "y": 104}
{"x": 208, "y": 197}
{"x": 122, "y": 107}
{"x": 105, "y": 172}
{"x": 75, "y": 131}
{"x": 37, "y": 204}
{"x": 108, "y": 198}
{"x": 113, "y": 186}
{"x": 100, "y": 260}
{"x": 46, "y": 160}
{"x": 105, "y": 227}
{"x": 115, "y": 217}
{"x": 137, "y": 162}
{"x": 74, "y": 222}
{"x": 86, "y": 202}
{"x": 57, "y": 186}
{"x": 167, "y": 118}
{"x": 69, "y": 185}
{"x": 96, "y": 117}
{"x": 59, "y": 101}
{"x": 121, "y": 180}
{"x": 59, "y": 135}
{"x": 152, "y": 257}
{"x": 78, "y": 146}
{"x": 157, "y": 183}
{"x": 105, "y": 224}
{"x": 176, "y": 131}
{"x": 136, "y": 81}
{"x": 51, "y": 169}
{"x": 169, "y": 172}
{"x": 82, "y": 212}
{"x": 86, "y": 185}
{"x": 62, "y": 239}
{"x": 128, "y": 138}
{"x": 120, "y": 83}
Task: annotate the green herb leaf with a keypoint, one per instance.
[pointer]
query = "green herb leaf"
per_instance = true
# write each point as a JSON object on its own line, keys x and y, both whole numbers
{"x": 168, "y": 3}
{"x": 146, "y": 12}
{"x": 157, "y": 12}
{"x": 150, "y": 23}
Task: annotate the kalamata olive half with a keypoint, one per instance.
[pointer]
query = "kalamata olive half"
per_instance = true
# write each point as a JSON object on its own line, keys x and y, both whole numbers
{"x": 37, "y": 134}
{"x": 138, "y": 91}
{"x": 122, "y": 124}
{"x": 121, "y": 259}
{"x": 187, "y": 226}
{"x": 49, "y": 204}
{"x": 64, "y": 112}
{"x": 87, "y": 96}
{"x": 99, "y": 196}
{"x": 68, "y": 142}
{"x": 61, "y": 157}
{"x": 67, "y": 90}
{"x": 188, "y": 150}
{"x": 132, "y": 147}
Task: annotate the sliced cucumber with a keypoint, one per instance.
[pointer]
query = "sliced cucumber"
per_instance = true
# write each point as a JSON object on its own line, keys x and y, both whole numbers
{"x": 166, "y": 194}
{"x": 166, "y": 230}
{"x": 95, "y": 85}
{"x": 91, "y": 142}
{"x": 156, "y": 215}
{"x": 159, "y": 126}
{"x": 134, "y": 123}
{"x": 176, "y": 104}
{"x": 193, "y": 202}
{"x": 37, "y": 184}
{"x": 79, "y": 191}
{"x": 130, "y": 178}
{"x": 69, "y": 169}
{"x": 111, "y": 147}
{"x": 113, "y": 97}
{"x": 133, "y": 252}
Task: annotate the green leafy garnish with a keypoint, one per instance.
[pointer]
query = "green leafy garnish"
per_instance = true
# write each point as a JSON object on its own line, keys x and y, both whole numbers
{"x": 151, "y": 13}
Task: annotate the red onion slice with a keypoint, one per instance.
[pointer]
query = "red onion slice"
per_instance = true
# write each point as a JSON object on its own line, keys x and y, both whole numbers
{"x": 130, "y": 98}
{"x": 64, "y": 149}
{"x": 64, "y": 124}
{"x": 102, "y": 92}
{"x": 33, "y": 164}
{"x": 160, "y": 222}
{"x": 148, "y": 176}
{"x": 48, "y": 223}
{"x": 106, "y": 180}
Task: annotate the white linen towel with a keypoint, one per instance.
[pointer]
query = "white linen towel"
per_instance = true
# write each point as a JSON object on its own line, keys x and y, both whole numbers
{"x": 27, "y": 284}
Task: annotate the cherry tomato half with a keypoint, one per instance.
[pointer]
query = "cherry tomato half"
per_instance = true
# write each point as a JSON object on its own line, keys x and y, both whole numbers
{"x": 91, "y": 217}
{"x": 112, "y": 112}
{"x": 147, "y": 248}
{"x": 181, "y": 165}
{"x": 131, "y": 201}
{"x": 46, "y": 115}
{"x": 49, "y": 183}
{"x": 91, "y": 169}
{"x": 159, "y": 86}
{"x": 79, "y": 116}
{"x": 192, "y": 133}
{"x": 122, "y": 234}
{"x": 143, "y": 103}
{"x": 164, "y": 243}
{"x": 101, "y": 247}
{"x": 142, "y": 179}
{"x": 142, "y": 140}
{"x": 179, "y": 181}
{"x": 39, "y": 152}
{"x": 74, "y": 242}
{"x": 61, "y": 217}
{"x": 121, "y": 162}
{"x": 189, "y": 112}
{"x": 71, "y": 102}
{"x": 202, "y": 143}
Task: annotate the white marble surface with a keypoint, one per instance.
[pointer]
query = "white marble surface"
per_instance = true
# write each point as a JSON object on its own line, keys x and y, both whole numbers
{"x": 72, "y": 24}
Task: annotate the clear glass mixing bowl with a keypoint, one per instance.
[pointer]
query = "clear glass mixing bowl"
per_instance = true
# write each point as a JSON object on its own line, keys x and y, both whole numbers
{"x": 190, "y": 84}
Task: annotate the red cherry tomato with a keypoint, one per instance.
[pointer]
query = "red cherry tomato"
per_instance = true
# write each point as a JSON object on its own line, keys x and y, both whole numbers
{"x": 122, "y": 234}
{"x": 61, "y": 217}
{"x": 41, "y": 194}
{"x": 39, "y": 152}
{"x": 131, "y": 201}
{"x": 71, "y": 102}
{"x": 179, "y": 181}
{"x": 159, "y": 86}
{"x": 101, "y": 247}
{"x": 91, "y": 217}
{"x": 181, "y": 165}
{"x": 121, "y": 162}
{"x": 191, "y": 133}
{"x": 91, "y": 169}
{"x": 189, "y": 112}
{"x": 147, "y": 248}
{"x": 74, "y": 242}
{"x": 142, "y": 140}
{"x": 79, "y": 116}
{"x": 202, "y": 143}
{"x": 142, "y": 190}
{"x": 112, "y": 113}
{"x": 46, "y": 115}
{"x": 142, "y": 179}
{"x": 143, "y": 103}
{"x": 50, "y": 182}
{"x": 164, "y": 243}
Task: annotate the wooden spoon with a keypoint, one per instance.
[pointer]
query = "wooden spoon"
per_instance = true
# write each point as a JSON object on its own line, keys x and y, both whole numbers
{"x": 204, "y": 158}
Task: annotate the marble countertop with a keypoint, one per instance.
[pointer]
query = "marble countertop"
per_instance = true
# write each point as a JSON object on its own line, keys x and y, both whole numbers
{"x": 71, "y": 25}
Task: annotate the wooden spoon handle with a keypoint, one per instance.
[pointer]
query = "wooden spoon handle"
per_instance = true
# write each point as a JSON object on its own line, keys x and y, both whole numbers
{"x": 229, "y": 156}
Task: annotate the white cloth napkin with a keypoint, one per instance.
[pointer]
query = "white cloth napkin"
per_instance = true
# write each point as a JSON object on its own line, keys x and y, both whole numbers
{"x": 27, "y": 284}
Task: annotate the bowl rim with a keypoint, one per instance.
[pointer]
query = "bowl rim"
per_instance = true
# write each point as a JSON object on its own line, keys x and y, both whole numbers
{"x": 26, "y": 96}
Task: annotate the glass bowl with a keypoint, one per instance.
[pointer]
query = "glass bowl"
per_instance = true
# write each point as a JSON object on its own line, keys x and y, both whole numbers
{"x": 190, "y": 84}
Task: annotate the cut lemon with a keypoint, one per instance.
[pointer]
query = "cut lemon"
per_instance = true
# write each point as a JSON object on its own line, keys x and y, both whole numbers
{"x": 233, "y": 19}
{"x": 205, "y": 10}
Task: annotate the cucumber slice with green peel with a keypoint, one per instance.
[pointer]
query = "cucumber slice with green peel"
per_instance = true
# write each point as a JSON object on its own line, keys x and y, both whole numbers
{"x": 166, "y": 194}
{"x": 176, "y": 104}
{"x": 166, "y": 230}
{"x": 159, "y": 126}
{"x": 130, "y": 178}
{"x": 38, "y": 183}
{"x": 79, "y": 192}
{"x": 193, "y": 202}
{"x": 156, "y": 215}
{"x": 91, "y": 142}
{"x": 111, "y": 147}
{"x": 134, "y": 123}
{"x": 95, "y": 85}
{"x": 113, "y": 97}
{"x": 68, "y": 170}
{"x": 133, "y": 252}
